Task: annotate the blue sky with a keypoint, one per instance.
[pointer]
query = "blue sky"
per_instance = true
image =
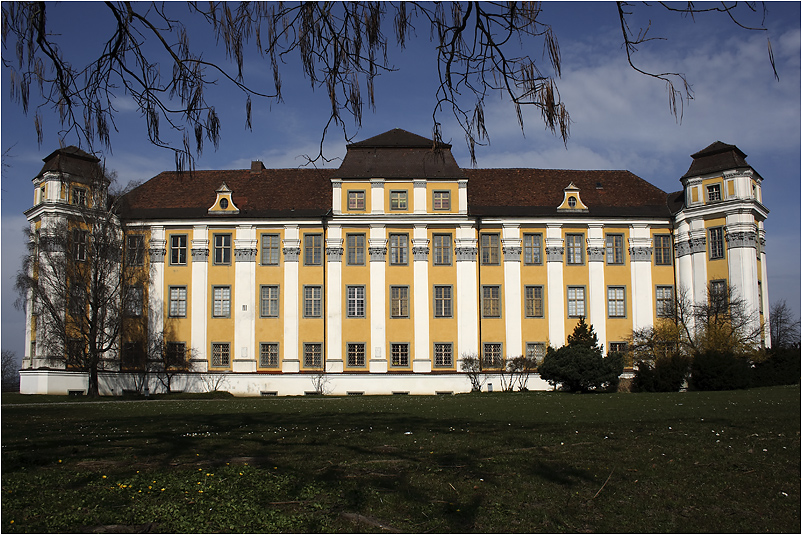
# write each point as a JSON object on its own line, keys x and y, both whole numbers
{"x": 620, "y": 119}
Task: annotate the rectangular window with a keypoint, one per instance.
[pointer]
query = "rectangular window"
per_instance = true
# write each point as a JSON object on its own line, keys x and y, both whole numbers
{"x": 222, "y": 249}
{"x": 399, "y": 301}
{"x": 313, "y": 355}
{"x": 491, "y": 354}
{"x": 178, "y": 249}
{"x": 442, "y": 249}
{"x": 532, "y": 249}
{"x": 356, "y": 355}
{"x": 665, "y": 301}
{"x": 313, "y": 249}
{"x": 490, "y": 249}
{"x": 76, "y": 298}
{"x": 79, "y": 196}
{"x": 268, "y": 355}
{"x": 615, "y": 248}
{"x": 313, "y": 301}
{"x": 616, "y": 304}
{"x": 355, "y": 249}
{"x": 398, "y": 200}
{"x": 443, "y": 355}
{"x": 714, "y": 192}
{"x": 80, "y": 241}
{"x": 491, "y": 301}
{"x": 662, "y": 249}
{"x": 135, "y": 250}
{"x": 442, "y": 302}
{"x": 175, "y": 351}
{"x": 399, "y": 250}
{"x": 441, "y": 200}
{"x": 221, "y": 354}
{"x": 356, "y": 200}
{"x": 355, "y": 301}
{"x": 134, "y": 301}
{"x": 270, "y": 249}
{"x": 221, "y": 298}
{"x": 399, "y": 354}
{"x": 618, "y": 347}
{"x": 269, "y": 302}
{"x": 718, "y": 289}
{"x": 536, "y": 351}
{"x": 575, "y": 248}
{"x": 576, "y": 301}
{"x": 716, "y": 243}
{"x": 178, "y": 302}
{"x": 533, "y": 301}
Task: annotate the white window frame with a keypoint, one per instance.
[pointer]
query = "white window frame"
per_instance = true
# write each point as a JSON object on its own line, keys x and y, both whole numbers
{"x": 271, "y": 248}
{"x": 533, "y": 248}
{"x": 269, "y": 301}
{"x": 443, "y": 300}
{"x": 313, "y": 249}
{"x": 355, "y": 249}
{"x": 716, "y": 239}
{"x": 356, "y": 200}
{"x": 222, "y": 249}
{"x": 399, "y": 301}
{"x": 313, "y": 301}
{"x": 442, "y": 249}
{"x": 614, "y": 249}
{"x": 575, "y": 249}
{"x": 178, "y": 302}
{"x": 399, "y": 249}
{"x": 355, "y": 301}
{"x": 221, "y": 301}
{"x": 664, "y": 304}
{"x": 398, "y": 199}
{"x": 441, "y": 199}
{"x": 576, "y": 297}
{"x": 616, "y": 302}
{"x": 178, "y": 251}
{"x": 531, "y": 301}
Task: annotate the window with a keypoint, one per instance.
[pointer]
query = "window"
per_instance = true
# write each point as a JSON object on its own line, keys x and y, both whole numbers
{"x": 576, "y": 301}
{"x": 662, "y": 249}
{"x": 175, "y": 352}
{"x": 533, "y": 301}
{"x": 716, "y": 243}
{"x": 714, "y": 192}
{"x": 532, "y": 249}
{"x": 222, "y": 248}
{"x": 221, "y": 297}
{"x": 574, "y": 245}
{"x": 442, "y": 302}
{"x": 399, "y": 252}
{"x": 178, "y": 249}
{"x": 536, "y": 351}
{"x": 75, "y": 349}
{"x": 356, "y": 200}
{"x": 490, "y": 249}
{"x": 221, "y": 354}
{"x": 178, "y": 302}
{"x": 618, "y": 347}
{"x": 79, "y": 196}
{"x": 441, "y": 200}
{"x": 134, "y": 301}
{"x": 313, "y": 355}
{"x": 80, "y": 239}
{"x": 355, "y": 301}
{"x": 398, "y": 200}
{"x": 76, "y": 298}
{"x": 399, "y": 301}
{"x": 491, "y": 301}
{"x": 313, "y": 249}
{"x": 132, "y": 356}
{"x": 270, "y": 248}
{"x": 615, "y": 248}
{"x": 491, "y": 354}
{"x": 718, "y": 290}
{"x": 665, "y": 301}
{"x": 442, "y": 249}
{"x": 356, "y": 355}
{"x": 616, "y": 304}
{"x": 269, "y": 302}
{"x": 355, "y": 249}
{"x": 399, "y": 354}
{"x": 443, "y": 355}
{"x": 313, "y": 301}
{"x": 135, "y": 249}
{"x": 268, "y": 355}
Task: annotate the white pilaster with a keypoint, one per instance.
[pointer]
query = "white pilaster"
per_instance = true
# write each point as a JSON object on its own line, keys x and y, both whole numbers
{"x": 698, "y": 247}
{"x": 419, "y": 196}
{"x": 334, "y": 304}
{"x": 158, "y": 250}
{"x": 245, "y": 252}
{"x": 640, "y": 262}
{"x": 376, "y": 195}
{"x": 765, "y": 284}
{"x": 376, "y": 312}
{"x": 741, "y": 237}
{"x": 596, "y": 291}
{"x": 422, "y": 362}
{"x": 291, "y": 362}
{"x": 463, "y": 196}
{"x": 513, "y": 310}
{"x": 555, "y": 251}
{"x": 466, "y": 292}
{"x": 336, "y": 196}
{"x": 197, "y": 294}
{"x": 684, "y": 261}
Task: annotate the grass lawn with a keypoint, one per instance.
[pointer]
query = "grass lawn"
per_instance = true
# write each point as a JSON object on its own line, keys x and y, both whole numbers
{"x": 502, "y": 462}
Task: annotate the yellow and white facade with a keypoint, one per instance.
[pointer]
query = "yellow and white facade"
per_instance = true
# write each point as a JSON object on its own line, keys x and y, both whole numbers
{"x": 385, "y": 272}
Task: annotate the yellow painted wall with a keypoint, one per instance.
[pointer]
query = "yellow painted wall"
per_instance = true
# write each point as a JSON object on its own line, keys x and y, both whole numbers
{"x": 220, "y": 329}
{"x": 178, "y": 329}
{"x": 400, "y": 329}
{"x": 398, "y": 186}
{"x": 662, "y": 275}
{"x": 574, "y": 275}
{"x": 618, "y": 329}
{"x": 432, "y": 186}
{"x": 534, "y": 329}
{"x": 310, "y": 330}
{"x": 443, "y": 330}
{"x": 716, "y": 269}
{"x": 363, "y": 186}
{"x": 356, "y": 330}
{"x": 271, "y": 330}
{"x": 492, "y": 330}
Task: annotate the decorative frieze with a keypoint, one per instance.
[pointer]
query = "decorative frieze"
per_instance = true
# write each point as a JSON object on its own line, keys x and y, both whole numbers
{"x": 420, "y": 253}
{"x": 698, "y": 245}
{"x": 157, "y": 254}
{"x": 512, "y": 253}
{"x": 640, "y": 254}
{"x": 200, "y": 255}
{"x": 595, "y": 254}
{"x": 334, "y": 254}
{"x": 291, "y": 254}
{"x": 682, "y": 248}
{"x": 741, "y": 239}
{"x": 245, "y": 255}
{"x": 466, "y": 254}
{"x": 554, "y": 254}
{"x": 377, "y": 254}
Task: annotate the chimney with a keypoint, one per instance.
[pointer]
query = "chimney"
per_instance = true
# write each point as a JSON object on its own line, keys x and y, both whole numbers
{"x": 256, "y": 167}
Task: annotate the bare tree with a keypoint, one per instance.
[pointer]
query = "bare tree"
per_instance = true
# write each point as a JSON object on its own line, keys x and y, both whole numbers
{"x": 783, "y": 326}
{"x": 167, "y": 358}
{"x": 481, "y": 49}
{"x": 471, "y": 365}
{"x": 74, "y": 278}
{"x": 10, "y": 370}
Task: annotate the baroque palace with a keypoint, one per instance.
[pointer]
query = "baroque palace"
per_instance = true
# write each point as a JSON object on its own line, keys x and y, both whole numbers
{"x": 386, "y": 271}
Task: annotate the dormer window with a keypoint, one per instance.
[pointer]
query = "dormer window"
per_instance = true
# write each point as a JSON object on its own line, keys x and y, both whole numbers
{"x": 223, "y": 204}
{"x": 714, "y": 192}
{"x": 441, "y": 200}
{"x": 571, "y": 202}
{"x": 356, "y": 200}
